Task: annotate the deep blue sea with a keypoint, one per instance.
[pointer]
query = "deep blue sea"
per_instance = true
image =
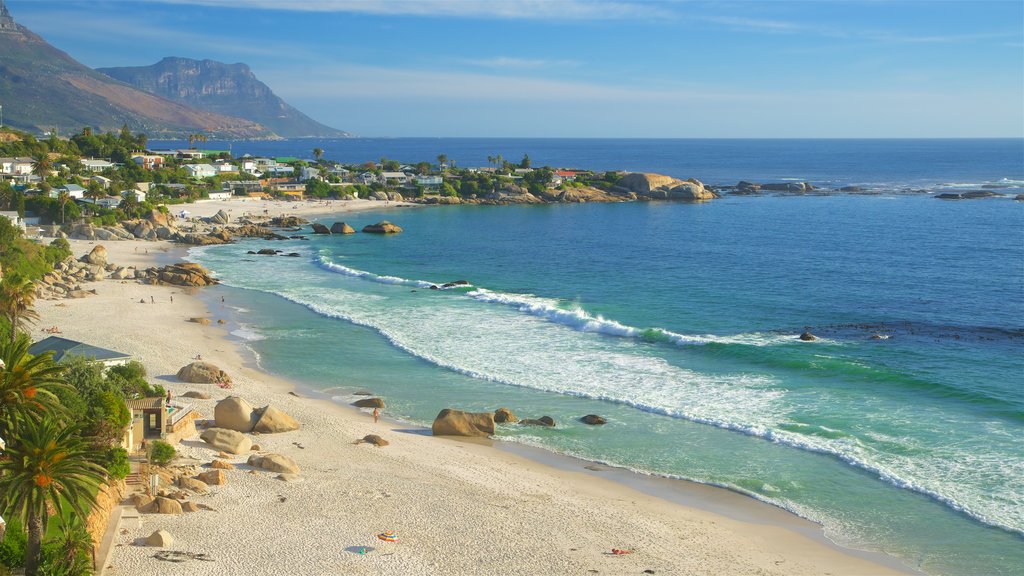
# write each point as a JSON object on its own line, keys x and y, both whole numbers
{"x": 900, "y": 430}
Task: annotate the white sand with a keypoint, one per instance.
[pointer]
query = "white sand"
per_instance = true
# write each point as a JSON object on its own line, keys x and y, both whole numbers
{"x": 458, "y": 507}
{"x": 240, "y": 207}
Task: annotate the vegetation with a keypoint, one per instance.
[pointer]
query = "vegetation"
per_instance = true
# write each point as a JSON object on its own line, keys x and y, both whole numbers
{"x": 161, "y": 452}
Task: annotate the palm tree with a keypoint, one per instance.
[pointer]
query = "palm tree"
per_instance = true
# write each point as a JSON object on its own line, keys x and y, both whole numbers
{"x": 318, "y": 153}
{"x": 94, "y": 192}
{"x": 41, "y": 165}
{"x": 193, "y": 138}
{"x": 17, "y": 294}
{"x": 490, "y": 159}
{"x": 442, "y": 159}
{"x": 63, "y": 197}
{"x": 47, "y": 466}
{"x": 28, "y": 386}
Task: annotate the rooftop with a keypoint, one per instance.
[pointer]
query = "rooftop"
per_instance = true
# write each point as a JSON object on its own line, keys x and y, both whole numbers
{"x": 64, "y": 348}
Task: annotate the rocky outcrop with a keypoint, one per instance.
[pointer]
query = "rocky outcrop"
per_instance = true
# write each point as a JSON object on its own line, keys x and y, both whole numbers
{"x": 791, "y": 187}
{"x": 288, "y": 222}
{"x": 215, "y": 477}
{"x": 382, "y": 227}
{"x": 197, "y": 486}
{"x": 65, "y": 280}
{"x": 319, "y": 228}
{"x": 183, "y": 274}
{"x": 593, "y": 420}
{"x": 660, "y": 187}
{"x": 221, "y": 217}
{"x": 197, "y": 395}
{"x": 504, "y": 416}
{"x": 451, "y": 422}
{"x": 273, "y": 420}
{"x": 369, "y": 403}
{"x": 200, "y": 372}
{"x": 806, "y": 336}
{"x": 97, "y": 256}
{"x": 971, "y": 195}
{"x": 221, "y": 465}
{"x": 234, "y": 413}
{"x": 229, "y": 441}
{"x": 546, "y": 421}
{"x": 274, "y": 463}
{"x": 643, "y": 183}
{"x": 342, "y": 228}
{"x": 373, "y": 439}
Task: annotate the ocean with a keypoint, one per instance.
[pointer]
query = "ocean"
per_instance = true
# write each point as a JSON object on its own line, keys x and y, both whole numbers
{"x": 899, "y": 430}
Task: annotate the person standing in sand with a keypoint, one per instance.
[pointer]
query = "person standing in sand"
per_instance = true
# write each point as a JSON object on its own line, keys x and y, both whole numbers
{"x": 376, "y": 415}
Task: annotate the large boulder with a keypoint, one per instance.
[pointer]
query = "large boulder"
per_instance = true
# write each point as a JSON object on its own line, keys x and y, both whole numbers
{"x": 382, "y": 227}
{"x": 193, "y": 484}
{"x": 319, "y": 228}
{"x": 546, "y": 421}
{"x": 97, "y": 256}
{"x": 226, "y": 440}
{"x": 451, "y": 422}
{"x": 221, "y": 217}
{"x": 369, "y": 403}
{"x": 692, "y": 190}
{"x": 274, "y": 463}
{"x": 197, "y": 395}
{"x": 160, "y": 539}
{"x": 504, "y": 416}
{"x": 183, "y": 274}
{"x": 643, "y": 183}
{"x": 215, "y": 477}
{"x": 167, "y": 506}
{"x": 202, "y": 373}
{"x": 234, "y": 413}
{"x": 342, "y": 228}
{"x": 593, "y": 420}
{"x": 159, "y": 218}
{"x": 274, "y": 420}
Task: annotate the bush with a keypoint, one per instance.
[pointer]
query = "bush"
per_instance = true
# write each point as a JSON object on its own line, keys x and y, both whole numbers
{"x": 12, "y": 549}
{"x": 161, "y": 452}
{"x": 118, "y": 466}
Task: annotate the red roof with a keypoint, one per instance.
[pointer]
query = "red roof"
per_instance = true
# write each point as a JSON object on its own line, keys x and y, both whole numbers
{"x": 565, "y": 173}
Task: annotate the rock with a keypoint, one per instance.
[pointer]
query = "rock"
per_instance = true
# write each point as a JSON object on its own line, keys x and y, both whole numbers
{"x": 450, "y": 422}
{"x": 267, "y": 251}
{"x": 851, "y": 189}
{"x": 273, "y": 420}
{"x": 806, "y": 336}
{"x": 97, "y": 256}
{"x": 319, "y": 228}
{"x": 342, "y": 228}
{"x": 227, "y": 440}
{"x": 1019, "y": 197}
{"x": 197, "y": 395}
{"x": 167, "y": 506}
{"x": 593, "y": 420}
{"x": 202, "y": 321}
{"x": 203, "y": 373}
{"x": 184, "y": 274}
{"x": 234, "y": 413}
{"x": 256, "y": 448}
{"x": 373, "y": 439}
{"x": 193, "y": 484}
{"x": 692, "y": 190}
{"x": 214, "y": 477}
{"x": 382, "y": 227}
{"x": 504, "y": 416}
{"x": 223, "y": 455}
{"x": 222, "y": 465}
{"x": 287, "y": 222}
{"x": 546, "y": 421}
{"x": 369, "y": 403}
{"x": 142, "y": 501}
{"x": 274, "y": 463}
{"x": 189, "y": 507}
{"x": 794, "y": 187}
{"x": 455, "y": 283}
{"x": 221, "y": 217}
{"x": 643, "y": 184}
{"x": 160, "y": 539}
{"x": 293, "y": 254}
{"x": 290, "y": 478}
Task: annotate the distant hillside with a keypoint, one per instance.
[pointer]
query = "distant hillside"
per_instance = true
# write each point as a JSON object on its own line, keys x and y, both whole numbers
{"x": 42, "y": 88}
{"x": 225, "y": 89}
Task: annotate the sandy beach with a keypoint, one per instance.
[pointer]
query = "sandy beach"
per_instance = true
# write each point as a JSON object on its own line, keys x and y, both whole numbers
{"x": 458, "y": 507}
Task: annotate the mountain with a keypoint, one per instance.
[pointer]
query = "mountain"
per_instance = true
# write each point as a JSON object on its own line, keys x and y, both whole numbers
{"x": 42, "y": 88}
{"x": 223, "y": 89}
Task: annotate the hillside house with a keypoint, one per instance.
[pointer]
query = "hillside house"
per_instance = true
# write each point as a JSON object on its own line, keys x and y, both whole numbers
{"x": 64, "y": 349}
{"x": 148, "y": 161}
{"x": 74, "y": 190}
{"x": 225, "y": 167}
{"x": 308, "y": 173}
{"x": 20, "y": 166}
{"x": 14, "y": 217}
{"x": 395, "y": 178}
{"x": 200, "y": 171}
{"x": 290, "y": 187}
{"x": 430, "y": 184}
{"x": 93, "y": 165}
{"x": 220, "y": 195}
{"x": 101, "y": 180}
{"x": 190, "y": 154}
{"x": 241, "y": 185}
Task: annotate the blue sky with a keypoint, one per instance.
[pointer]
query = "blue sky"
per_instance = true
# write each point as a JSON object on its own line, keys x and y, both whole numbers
{"x": 575, "y": 68}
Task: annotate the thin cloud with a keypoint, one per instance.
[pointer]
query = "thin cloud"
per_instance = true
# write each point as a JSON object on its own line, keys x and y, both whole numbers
{"x": 505, "y": 9}
{"x": 509, "y": 63}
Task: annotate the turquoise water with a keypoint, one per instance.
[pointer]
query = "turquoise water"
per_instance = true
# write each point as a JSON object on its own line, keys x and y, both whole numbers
{"x": 677, "y": 322}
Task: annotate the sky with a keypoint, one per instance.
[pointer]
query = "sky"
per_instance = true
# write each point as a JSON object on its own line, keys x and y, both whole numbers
{"x": 576, "y": 68}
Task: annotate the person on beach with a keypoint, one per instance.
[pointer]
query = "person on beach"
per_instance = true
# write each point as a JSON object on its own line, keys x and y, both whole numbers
{"x": 151, "y": 300}
{"x": 376, "y": 415}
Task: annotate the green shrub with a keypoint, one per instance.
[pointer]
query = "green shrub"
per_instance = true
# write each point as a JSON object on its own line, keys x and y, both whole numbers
{"x": 12, "y": 549}
{"x": 118, "y": 466}
{"x": 161, "y": 452}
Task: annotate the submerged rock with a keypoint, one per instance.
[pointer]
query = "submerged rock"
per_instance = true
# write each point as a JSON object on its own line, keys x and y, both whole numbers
{"x": 451, "y": 422}
{"x": 382, "y": 227}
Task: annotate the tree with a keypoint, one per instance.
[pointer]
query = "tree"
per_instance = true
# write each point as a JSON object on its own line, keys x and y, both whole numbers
{"x": 63, "y": 197}
{"x": 94, "y": 192}
{"x": 442, "y": 160}
{"x": 28, "y": 386}
{"x": 193, "y": 138}
{"x": 41, "y": 164}
{"x": 318, "y": 153}
{"x": 17, "y": 295}
{"x": 47, "y": 466}
{"x": 525, "y": 162}
{"x": 129, "y": 203}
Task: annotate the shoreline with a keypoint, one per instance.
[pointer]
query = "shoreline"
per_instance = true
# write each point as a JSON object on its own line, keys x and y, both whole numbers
{"x": 475, "y": 478}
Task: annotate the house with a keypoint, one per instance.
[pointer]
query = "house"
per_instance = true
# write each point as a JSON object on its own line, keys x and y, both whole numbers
{"x": 101, "y": 180}
{"x": 158, "y": 418}
{"x": 287, "y": 187}
{"x": 200, "y": 171}
{"x": 367, "y": 178}
{"x": 74, "y": 190}
{"x": 221, "y": 195}
{"x": 279, "y": 170}
{"x": 225, "y": 167}
{"x": 395, "y": 178}
{"x": 15, "y": 219}
{"x": 96, "y": 165}
{"x": 243, "y": 185}
{"x": 566, "y": 175}
{"x": 190, "y": 154}
{"x": 308, "y": 173}
{"x": 149, "y": 161}
{"x": 429, "y": 183}
{"x": 522, "y": 171}
{"x": 140, "y": 195}
{"x": 20, "y": 166}
{"x": 293, "y": 194}
{"x": 64, "y": 348}
{"x": 106, "y": 201}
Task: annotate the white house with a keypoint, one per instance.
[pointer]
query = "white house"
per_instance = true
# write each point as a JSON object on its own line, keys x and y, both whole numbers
{"x": 225, "y": 167}
{"x": 308, "y": 173}
{"x": 220, "y": 195}
{"x": 101, "y": 180}
{"x": 279, "y": 170}
{"x": 74, "y": 190}
{"x": 200, "y": 170}
{"x": 15, "y": 219}
{"x": 395, "y": 177}
{"x": 96, "y": 165}
{"x": 148, "y": 161}
{"x": 21, "y": 166}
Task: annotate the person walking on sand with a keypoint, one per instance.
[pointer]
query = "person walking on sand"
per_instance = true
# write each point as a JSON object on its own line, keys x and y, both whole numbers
{"x": 376, "y": 415}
